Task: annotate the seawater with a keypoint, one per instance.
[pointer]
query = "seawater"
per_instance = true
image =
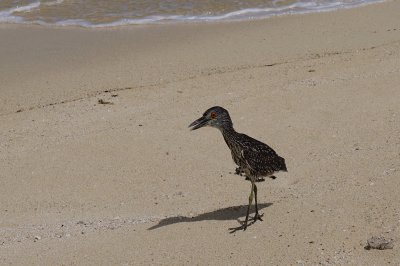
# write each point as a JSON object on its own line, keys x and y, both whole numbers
{"x": 103, "y": 13}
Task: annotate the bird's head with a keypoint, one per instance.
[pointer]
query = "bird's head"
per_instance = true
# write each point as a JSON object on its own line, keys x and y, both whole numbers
{"x": 214, "y": 117}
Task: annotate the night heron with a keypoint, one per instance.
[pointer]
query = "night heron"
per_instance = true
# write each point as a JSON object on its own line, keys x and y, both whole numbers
{"x": 254, "y": 159}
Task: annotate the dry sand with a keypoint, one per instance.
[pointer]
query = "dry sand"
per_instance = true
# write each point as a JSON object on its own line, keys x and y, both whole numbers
{"x": 127, "y": 183}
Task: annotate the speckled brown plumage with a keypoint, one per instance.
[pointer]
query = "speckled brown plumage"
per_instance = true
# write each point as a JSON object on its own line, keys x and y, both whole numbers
{"x": 254, "y": 159}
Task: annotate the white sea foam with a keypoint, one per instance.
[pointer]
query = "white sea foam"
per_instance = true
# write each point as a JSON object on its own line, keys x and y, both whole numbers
{"x": 26, "y": 8}
{"x": 9, "y": 16}
{"x": 250, "y": 13}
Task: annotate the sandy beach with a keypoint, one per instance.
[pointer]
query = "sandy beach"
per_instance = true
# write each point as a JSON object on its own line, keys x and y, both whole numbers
{"x": 127, "y": 183}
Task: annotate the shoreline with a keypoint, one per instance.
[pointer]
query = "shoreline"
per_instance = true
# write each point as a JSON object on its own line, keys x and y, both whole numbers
{"x": 224, "y": 18}
{"x": 99, "y": 166}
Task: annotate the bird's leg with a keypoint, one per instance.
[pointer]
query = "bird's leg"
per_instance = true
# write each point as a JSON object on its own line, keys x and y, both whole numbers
{"x": 257, "y": 216}
{"x": 244, "y": 225}
{"x": 250, "y": 202}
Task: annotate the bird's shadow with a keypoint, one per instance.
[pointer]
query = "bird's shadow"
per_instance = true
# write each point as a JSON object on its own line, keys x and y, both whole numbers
{"x": 230, "y": 213}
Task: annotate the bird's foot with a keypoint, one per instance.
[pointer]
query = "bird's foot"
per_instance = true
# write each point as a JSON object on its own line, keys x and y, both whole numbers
{"x": 242, "y": 227}
{"x": 257, "y": 216}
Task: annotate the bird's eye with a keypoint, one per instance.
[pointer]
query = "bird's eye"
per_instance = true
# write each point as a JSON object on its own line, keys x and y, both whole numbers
{"x": 213, "y": 115}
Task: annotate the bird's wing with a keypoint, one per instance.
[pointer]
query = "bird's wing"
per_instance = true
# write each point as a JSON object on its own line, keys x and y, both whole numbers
{"x": 259, "y": 157}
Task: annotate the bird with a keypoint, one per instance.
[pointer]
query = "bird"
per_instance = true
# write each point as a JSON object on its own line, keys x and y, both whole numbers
{"x": 255, "y": 159}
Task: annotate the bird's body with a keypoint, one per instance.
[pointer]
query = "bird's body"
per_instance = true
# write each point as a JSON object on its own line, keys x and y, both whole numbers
{"x": 254, "y": 159}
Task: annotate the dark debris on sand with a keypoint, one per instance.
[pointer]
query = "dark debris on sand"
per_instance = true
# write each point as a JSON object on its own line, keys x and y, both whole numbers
{"x": 101, "y": 101}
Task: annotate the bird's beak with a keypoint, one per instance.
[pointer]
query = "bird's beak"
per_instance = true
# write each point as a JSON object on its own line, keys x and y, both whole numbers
{"x": 201, "y": 122}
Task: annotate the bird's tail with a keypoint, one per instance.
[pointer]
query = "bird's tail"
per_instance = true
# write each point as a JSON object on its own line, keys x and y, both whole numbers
{"x": 282, "y": 164}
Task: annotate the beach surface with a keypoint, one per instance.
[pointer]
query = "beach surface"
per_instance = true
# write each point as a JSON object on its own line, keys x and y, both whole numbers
{"x": 124, "y": 182}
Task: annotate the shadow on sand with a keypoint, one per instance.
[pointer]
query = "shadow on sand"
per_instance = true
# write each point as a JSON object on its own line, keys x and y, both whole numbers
{"x": 230, "y": 213}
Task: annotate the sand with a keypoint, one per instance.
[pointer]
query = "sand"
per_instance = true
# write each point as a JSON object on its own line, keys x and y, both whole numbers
{"x": 127, "y": 183}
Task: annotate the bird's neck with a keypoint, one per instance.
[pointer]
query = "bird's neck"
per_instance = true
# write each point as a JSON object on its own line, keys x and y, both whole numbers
{"x": 227, "y": 129}
{"x": 228, "y": 133}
